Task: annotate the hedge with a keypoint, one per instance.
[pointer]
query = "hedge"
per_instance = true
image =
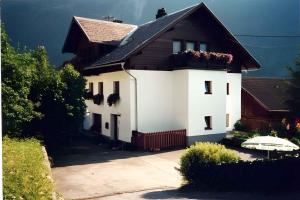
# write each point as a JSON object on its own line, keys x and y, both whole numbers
{"x": 25, "y": 174}
{"x": 281, "y": 174}
{"x": 204, "y": 154}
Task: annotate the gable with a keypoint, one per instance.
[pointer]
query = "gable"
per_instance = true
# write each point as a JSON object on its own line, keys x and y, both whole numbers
{"x": 156, "y": 55}
{"x": 147, "y": 33}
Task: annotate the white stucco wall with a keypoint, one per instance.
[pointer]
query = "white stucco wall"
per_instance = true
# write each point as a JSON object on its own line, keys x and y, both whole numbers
{"x": 233, "y": 100}
{"x": 159, "y": 92}
{"x": 201, "y": 104}
{"x": 169, "y": 100}
{"x": 123, "y": 108}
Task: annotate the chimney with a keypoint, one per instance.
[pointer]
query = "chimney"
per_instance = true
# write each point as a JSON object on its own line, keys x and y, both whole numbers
{"x": 160, "y": 13}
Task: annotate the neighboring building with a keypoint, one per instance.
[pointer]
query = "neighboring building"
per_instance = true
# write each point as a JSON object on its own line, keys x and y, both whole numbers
{"x": 263, "y": 102}
{"x": 151, "y": 88}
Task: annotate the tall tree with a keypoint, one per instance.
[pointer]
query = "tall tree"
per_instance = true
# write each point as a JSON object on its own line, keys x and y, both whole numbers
{"x": 37, "y": 98}
{"x": 17, "y": 73}
{"x": 294, "y": 88}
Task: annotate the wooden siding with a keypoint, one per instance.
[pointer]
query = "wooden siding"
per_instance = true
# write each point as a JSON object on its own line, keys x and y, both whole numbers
{"x": 256, "y": 117}
{"x": 160, "y": 140}
{"x": 155, "y": 56}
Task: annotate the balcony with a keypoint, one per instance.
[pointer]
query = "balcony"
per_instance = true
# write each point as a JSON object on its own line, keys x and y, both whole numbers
{"x": 201, "y": 60}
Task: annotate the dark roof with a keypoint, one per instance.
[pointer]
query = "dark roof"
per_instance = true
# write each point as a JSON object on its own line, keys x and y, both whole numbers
{"x": 141, "y": 35}
{"x": 146, "y": 32}
{"x": 269, "y": 92}
{"x": 98, "y": 31}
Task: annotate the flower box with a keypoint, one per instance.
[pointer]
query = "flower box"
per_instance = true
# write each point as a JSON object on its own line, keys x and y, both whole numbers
{"x": 113, "y": 98}
{"x": 98, "y": 99}
{"x": 201, "y": 59}
{"x": 88, "y": 95}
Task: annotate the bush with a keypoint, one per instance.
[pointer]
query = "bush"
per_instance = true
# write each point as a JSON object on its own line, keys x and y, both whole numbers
{"x": 240, "y": 126}
{"x": 204, "y": 154}
{"x": 25, "y": 175}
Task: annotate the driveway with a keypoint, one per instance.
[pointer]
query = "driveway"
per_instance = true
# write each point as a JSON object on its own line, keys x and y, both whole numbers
{"x": 86, "y": 171}
{"x": 95, "y": 172}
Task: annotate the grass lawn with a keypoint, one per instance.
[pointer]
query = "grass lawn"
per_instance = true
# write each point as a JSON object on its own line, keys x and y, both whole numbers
{"x": 25, "y": 175}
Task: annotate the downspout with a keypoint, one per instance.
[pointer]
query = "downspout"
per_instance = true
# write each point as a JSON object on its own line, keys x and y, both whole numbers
{"x": 135, "y": 88}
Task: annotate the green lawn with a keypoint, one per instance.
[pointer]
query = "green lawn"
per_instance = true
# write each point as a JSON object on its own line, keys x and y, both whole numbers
{"x": 25, "y": 175}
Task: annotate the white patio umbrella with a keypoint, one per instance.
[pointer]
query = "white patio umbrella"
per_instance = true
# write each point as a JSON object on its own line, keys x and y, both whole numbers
{"x": 269, "y": 143}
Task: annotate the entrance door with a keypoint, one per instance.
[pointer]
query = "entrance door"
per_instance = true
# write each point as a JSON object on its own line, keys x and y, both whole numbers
{"x": 97, "y": 123}
{"x": 114, "y": 127}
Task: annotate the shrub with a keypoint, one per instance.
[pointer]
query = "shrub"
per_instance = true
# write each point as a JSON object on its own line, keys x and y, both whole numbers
{"x": 25, "y": 175}
{"x": 240, "y": 126}
{"x": 204, "y": 154}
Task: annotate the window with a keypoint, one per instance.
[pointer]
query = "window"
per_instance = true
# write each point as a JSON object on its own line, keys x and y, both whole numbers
{"x": 227, "y": 88}
{"x": 207, "y": 87}
{"x": 176, "y": 46}
{"x": 207, "y": 122}
{"x": 190, "y": 46}
{"x": 100, "y": 88}
{"x": 91, "y": 88}
{"x": 227, "y": 120}
{"x": 203, "y": 47}
{"x": 116, "y": 87}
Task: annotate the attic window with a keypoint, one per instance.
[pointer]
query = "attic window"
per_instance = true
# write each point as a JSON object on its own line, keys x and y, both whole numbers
{"x": 202, "y": 46}
{"x": 190, "y": 45}
{"x": 177, "y": 46}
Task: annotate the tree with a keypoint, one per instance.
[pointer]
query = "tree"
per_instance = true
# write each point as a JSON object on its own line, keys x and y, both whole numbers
{"x": 73, "y": 93}
{"x": 59, "y": 95}
{"x": 17, "y": 70}
{"x": 294, "y": 89}
{"x": 37, "y": 98}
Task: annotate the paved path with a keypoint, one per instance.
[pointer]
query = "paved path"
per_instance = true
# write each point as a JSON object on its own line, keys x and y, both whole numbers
{"x": 105, "y": 173}
{"x": 91, "y": 172}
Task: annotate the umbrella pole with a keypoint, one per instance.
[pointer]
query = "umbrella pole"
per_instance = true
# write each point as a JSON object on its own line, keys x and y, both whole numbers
{"x": 268, "y": 154}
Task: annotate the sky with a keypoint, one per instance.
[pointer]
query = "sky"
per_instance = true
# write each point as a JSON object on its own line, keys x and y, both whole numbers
{"x": 46, "y": 22}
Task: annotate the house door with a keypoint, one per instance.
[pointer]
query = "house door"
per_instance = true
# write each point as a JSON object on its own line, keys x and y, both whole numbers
{"x": 97, "y": 123}
{"x": 114, "y": 127}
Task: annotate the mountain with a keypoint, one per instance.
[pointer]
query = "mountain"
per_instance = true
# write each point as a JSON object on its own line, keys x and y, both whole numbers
{"x": 40, "y": 22}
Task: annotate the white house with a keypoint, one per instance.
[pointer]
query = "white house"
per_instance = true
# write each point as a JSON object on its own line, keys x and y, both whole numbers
{"x": 157, "y": 85}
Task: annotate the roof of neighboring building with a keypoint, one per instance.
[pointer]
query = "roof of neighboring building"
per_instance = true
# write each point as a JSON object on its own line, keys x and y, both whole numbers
{"x": 268, "y": 91}
{"x": 151, "y": 30}
{"x": 100, "y": 31}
